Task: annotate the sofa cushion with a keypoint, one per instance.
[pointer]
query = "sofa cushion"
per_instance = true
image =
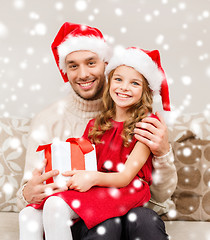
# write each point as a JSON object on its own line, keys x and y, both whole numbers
{"x": 198, "y": 123}
{"x": 192, "y": 195}
{"x": 13, "y": 132}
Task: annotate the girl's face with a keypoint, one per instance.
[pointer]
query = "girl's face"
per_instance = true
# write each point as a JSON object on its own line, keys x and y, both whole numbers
{"x": 126, "y": 87}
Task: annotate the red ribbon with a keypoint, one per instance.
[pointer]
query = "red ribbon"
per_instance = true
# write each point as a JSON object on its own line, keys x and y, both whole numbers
{"x": 47, "y": 153}
{"x": 79, "y": 147}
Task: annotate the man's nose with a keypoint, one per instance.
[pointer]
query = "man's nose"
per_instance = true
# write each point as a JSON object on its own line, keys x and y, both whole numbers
{"x": 84, "y": 72}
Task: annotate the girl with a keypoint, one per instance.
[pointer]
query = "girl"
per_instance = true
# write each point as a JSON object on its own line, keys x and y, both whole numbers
{"x": 124, "y": 164}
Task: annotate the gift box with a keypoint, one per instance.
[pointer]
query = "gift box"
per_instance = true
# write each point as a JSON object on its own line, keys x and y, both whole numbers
{"x": 75, "y": 153}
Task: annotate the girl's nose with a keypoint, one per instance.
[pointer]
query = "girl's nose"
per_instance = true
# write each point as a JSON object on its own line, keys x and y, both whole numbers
{"x": 124, "y": 86}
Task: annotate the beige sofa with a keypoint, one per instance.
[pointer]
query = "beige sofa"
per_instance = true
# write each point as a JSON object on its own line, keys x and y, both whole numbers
{"x": 192, "y": 159}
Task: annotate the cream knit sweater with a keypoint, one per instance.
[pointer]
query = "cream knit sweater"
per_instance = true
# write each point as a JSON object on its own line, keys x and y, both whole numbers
{"x": 68, "y": 118}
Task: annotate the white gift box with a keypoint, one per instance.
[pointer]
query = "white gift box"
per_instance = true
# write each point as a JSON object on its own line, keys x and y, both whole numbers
{"x": 75, "y": 153}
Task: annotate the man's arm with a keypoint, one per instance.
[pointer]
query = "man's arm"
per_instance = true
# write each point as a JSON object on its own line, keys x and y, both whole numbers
{"x": 154, "y": 134}
{"x": 33, "y": 189}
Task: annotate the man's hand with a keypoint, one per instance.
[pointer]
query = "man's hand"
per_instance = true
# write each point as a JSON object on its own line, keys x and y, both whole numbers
{"x": 35, "y": 190}
{"x": 81, "y": 180}
{"x": 154, "y": 134}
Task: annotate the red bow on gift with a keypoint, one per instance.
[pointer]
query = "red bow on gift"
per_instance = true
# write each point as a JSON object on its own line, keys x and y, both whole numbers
{"x": 79, "y": 147}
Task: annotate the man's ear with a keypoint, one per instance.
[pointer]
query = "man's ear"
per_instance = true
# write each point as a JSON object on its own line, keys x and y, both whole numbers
{"x": 106, "y": 63}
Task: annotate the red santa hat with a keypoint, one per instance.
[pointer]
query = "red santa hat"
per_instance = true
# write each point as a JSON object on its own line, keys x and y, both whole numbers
{"x": 74, "y": 37}
{"x": 148, "y": 64}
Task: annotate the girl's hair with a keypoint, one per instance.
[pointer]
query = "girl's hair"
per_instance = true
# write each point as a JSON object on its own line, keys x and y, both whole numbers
{"x": 136, "y": 112}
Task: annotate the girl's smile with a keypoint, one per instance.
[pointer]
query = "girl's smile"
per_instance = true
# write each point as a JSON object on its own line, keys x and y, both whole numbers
{"x": 126, "y": 87}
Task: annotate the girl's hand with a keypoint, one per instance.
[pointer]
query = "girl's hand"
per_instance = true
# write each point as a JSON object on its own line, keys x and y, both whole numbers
{"x": 81, "y": 180}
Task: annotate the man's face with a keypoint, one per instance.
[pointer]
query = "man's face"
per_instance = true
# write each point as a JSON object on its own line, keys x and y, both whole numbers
{"x": 85, "y": 71}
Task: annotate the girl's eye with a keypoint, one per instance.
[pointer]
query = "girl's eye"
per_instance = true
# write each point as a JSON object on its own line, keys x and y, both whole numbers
{"x": 118, "y": 79}
{"x": 135, "y": 83}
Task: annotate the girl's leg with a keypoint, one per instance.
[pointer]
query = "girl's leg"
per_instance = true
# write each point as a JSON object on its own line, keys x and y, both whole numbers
{"x": 57, "y": 216}
{"x": 30, "y": 224}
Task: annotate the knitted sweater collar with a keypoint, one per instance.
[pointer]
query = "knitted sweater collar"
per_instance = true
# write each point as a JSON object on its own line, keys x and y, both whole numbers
{"x": 83, "y": 108}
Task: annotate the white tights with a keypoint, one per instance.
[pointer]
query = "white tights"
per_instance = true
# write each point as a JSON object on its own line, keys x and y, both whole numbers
{"x": 55, "y": 220}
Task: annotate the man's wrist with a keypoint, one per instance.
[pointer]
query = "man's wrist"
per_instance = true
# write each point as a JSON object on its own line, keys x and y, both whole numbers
{"x": 166, "y": 158}
{"x": 22, "y": 195}
{"x": 166, "y": 154}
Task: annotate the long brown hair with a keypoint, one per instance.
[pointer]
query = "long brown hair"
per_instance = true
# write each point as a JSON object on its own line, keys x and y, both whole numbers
{"x": 136, "y": 112}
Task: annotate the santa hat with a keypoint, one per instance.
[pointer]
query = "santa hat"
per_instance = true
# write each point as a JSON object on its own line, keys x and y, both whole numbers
{"x": 74, "y": 37}
{"x": 148, "y": 64}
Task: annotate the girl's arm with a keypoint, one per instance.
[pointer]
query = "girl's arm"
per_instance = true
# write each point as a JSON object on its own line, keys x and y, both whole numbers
{"x": 82, "y": 180}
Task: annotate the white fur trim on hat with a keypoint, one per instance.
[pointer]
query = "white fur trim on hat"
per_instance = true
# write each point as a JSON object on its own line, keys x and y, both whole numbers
{"x": 141, "y": 62}
{"x": 91, "y": 43}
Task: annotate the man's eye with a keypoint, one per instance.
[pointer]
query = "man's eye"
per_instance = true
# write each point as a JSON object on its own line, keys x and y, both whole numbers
{"x": 72, "y": 66}
{"x": 91, "y": 63}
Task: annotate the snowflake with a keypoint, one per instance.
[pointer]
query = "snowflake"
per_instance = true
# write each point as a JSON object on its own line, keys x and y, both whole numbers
{"x": 14, "y": 97}
{"x": 186, "y": 80}
{"x": 8, "y": 188}
{"x": 101, "y": 230}
{"x": 137, "y": 183}
{"x": 118, "y": 11}
{"x": 173, "y": 10}
{"x": 91, "y": 18}
{"x": 172, "y": 213}
{"x": 208, "y": 72}
{"x": 114, "y": 192}
{"x": 58, "y": 6}
{"x": 156, "y": 12}
{"x": 28, "y": 175}
{"x": 96, "y": 10}
{"x": 117, "y": 220}
{"x": 40, "y": 29}
{"x": 132, "y": 217}
{"x": 81, "y": 5}
{"x": 186, "y": 152}
{"x": 199, "y": 43}
{"x": 123, "y": 30}
{"x": 19, "y": 4}
{"x": 30, "y": 51}
{"x": 148, "y": 18}
{"x": 159, "y": 39}
{"x": 108, "y": 164}
{"x": 205, "y": 14}
{"x": 33, "y": 16}
{"x": 120, "y": 167}
{"x": 182, "y": 6}
{"x": 15, "y": 143}
{"x": 69, "y": 223}
{"x": 164, "y": 1}
{"x": 32, "y": 226}
{"x": 48, "y": 191}
{"x": 23, "y": 65}
{"x": 3, "y": 30}
{"x": 76, "y": 203}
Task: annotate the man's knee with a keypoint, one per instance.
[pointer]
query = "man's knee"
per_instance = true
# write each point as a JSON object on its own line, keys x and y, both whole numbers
{"x": 144, "y": 222}
{"x": 110, "y": 229}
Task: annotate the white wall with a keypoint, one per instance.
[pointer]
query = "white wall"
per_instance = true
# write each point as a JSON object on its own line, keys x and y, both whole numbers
{"x": 29, "y": 78}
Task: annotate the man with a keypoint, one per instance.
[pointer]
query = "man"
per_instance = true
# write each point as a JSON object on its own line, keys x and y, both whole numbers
{"x": 81, "y": 55}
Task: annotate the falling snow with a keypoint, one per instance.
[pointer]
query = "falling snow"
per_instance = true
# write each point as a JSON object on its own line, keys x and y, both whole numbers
{"x": 31, "y": 59}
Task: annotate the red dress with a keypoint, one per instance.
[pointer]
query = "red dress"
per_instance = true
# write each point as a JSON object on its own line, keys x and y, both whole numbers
{"x": 101, "y": 203}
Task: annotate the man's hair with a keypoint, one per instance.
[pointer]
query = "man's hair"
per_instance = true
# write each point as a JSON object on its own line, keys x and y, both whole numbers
{"x": 136, "y": 112}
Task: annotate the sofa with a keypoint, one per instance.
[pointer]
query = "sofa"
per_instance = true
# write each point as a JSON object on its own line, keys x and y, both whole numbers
{"x": 190, "y": 139}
